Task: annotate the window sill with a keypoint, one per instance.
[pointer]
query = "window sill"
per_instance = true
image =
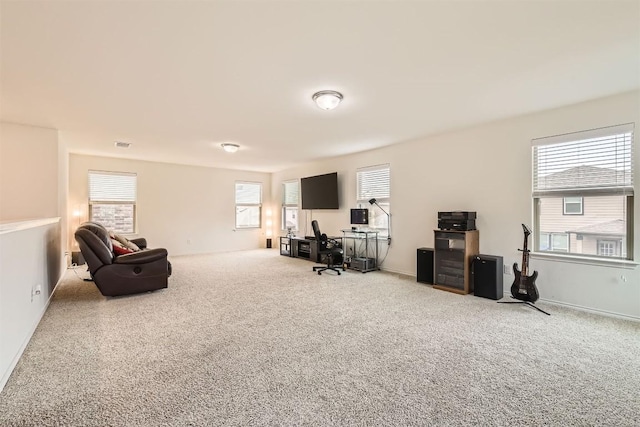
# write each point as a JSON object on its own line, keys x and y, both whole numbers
{"x": 576, "y": 259}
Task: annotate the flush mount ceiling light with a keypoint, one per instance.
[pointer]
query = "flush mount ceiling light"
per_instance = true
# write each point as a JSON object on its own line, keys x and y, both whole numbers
{"x": 327, "y": 99}
{"x": 230, "y": 148}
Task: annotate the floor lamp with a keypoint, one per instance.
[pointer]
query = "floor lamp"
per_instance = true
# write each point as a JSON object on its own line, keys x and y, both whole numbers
{"x": 375, "y": 202}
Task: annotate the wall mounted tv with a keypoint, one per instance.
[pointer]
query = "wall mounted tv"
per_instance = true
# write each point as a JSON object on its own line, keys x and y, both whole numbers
{"x": 320, "y": 192}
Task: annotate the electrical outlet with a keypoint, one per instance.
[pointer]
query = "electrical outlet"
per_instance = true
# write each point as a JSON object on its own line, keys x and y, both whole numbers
{"x": 36, "y": 290}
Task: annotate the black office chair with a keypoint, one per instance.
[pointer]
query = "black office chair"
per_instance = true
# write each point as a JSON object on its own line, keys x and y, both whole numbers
{"x": 328, "y": 248}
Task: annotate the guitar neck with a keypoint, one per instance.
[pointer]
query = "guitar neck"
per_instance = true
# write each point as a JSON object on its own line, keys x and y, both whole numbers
{"x": 525, "y": 256}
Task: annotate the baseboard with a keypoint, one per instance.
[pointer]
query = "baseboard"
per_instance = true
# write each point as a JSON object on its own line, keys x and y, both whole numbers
{"x": 559, "y": 303}
{"x": 590, "y": 310}
{"x": 34, "y": 326}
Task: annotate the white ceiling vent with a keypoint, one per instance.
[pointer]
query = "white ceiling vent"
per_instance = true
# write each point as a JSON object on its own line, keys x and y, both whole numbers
{"x": 121, "y": 144}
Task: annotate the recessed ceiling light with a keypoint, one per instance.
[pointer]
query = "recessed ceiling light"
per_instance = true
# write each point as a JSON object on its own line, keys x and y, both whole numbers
{"x": 230, "y": 148}
{"x": 121, "y": 144}
{"x": 327, "y": 99}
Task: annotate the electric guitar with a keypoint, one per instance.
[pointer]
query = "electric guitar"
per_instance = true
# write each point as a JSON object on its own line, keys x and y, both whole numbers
{"x": 524, "y": 287}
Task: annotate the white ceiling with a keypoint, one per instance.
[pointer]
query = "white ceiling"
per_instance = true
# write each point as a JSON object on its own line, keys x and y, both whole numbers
{"x": 177, "y": 78}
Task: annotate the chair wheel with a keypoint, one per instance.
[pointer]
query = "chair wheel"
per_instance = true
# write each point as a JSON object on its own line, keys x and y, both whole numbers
{"x": 338, "y": 273}
{"x": 319, "y": 273}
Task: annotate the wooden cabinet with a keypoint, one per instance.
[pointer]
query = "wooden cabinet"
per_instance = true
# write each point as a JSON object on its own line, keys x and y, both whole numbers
{"x": 454, "y": 251}
{"x": 285, "y": 246}
{"x": 304, "y": 248}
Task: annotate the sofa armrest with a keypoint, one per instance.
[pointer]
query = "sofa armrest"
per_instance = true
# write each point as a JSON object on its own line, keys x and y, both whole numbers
{"x": 142, "y": 257}
{"x": 140, "y": 242}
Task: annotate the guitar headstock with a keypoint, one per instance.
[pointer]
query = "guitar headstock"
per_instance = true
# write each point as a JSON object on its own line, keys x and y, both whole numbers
{"x": 526, "y": 230}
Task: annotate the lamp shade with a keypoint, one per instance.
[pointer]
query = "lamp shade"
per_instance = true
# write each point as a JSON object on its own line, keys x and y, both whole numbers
{"x": 327, "y": 99}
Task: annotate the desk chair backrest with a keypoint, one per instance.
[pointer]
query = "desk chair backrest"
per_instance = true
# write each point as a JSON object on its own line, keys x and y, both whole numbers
{"x": 316, "y": 230}
{"x": 333, "y": 252}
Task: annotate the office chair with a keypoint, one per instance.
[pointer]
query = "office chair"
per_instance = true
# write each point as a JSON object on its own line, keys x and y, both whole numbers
{"x": 330, "y": 249}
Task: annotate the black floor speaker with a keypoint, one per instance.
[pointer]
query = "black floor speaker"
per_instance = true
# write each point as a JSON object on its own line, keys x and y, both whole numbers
{"x": 487, "y": 273}
{"x": 425, "y": 265}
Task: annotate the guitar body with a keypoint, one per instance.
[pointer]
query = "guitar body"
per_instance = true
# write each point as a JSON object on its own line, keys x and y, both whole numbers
{"x": 524, "y": 287}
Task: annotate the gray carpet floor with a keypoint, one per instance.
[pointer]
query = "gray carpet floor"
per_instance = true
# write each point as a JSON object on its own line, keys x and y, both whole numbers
{"x": 254, "y": 338}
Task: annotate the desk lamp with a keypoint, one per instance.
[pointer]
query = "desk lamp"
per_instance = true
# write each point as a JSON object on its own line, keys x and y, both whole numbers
{"x": 375, "y": 202}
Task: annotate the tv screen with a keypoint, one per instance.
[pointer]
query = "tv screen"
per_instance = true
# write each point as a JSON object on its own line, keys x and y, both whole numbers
{"x": 360, "y": 216}
{"x": 320, "y": 192}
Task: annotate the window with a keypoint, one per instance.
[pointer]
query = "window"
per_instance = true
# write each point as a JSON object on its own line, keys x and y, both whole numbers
{"x": 248, "y": 204}
{"x": 583, "y": 192}
{"x": 607, "y": 248}
{"x": 290, "y": 191}
{"x": 112, "y": 200}
{"x": 559, "y": 242}
{"x": 572, "y": 206}
{"x": 544, "y": 242}
{"x": 374, "y": 183}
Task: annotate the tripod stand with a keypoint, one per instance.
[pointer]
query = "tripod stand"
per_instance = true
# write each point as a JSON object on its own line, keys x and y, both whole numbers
{"x": 527, "y": 303}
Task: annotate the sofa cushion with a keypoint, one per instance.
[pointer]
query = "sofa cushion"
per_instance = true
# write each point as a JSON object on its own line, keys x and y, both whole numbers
{"x": 119, "y": 248}
{"x": 125, "y": 242}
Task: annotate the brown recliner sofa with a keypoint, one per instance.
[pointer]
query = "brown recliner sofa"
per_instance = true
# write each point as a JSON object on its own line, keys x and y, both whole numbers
{"x": 143, "y": 271}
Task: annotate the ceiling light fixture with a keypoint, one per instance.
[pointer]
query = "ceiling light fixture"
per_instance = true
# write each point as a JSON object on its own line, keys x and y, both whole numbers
{"x": 327, "y": 99}
{"x": 230, "y": 148}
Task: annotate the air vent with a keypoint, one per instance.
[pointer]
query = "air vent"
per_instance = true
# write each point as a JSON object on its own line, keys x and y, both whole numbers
{"x": 121, "y": 144}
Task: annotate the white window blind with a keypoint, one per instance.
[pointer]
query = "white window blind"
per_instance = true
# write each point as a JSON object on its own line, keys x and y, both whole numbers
{"x": 112, "y": 186}
{"x": 112, "y": 200}
{"x": 290, "y": 193}
{"x": 583, "y": 191}
{"x": 248, "y": 193}
{"x": 599, "y": 160}
{"x": 248, "y": 204}
{"x": 373, "y": 182}
{"x": 290, "y": 197}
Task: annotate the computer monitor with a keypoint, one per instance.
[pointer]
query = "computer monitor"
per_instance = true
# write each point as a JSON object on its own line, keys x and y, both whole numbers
{"x": 360, "y": 216}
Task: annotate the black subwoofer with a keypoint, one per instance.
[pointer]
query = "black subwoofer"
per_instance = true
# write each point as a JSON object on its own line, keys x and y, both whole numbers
{"x": 486, "y": 273}
{"x": 425, "y": 265}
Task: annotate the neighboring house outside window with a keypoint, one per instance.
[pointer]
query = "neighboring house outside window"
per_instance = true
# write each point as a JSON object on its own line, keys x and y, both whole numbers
{"x": 608, "y": 248}
{"x": 290, "y": 197}
{"x": 248, "y": 204}
{"x": 374, "y": 183}
{"x": 583, "y": 193}
{"x": 112, "y": 200}
{"x": 572, "y": 205}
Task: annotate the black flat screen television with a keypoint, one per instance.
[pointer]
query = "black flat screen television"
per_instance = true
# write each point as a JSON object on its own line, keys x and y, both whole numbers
{"x": 360, "y": 216}
{"x": 320, "y": 192}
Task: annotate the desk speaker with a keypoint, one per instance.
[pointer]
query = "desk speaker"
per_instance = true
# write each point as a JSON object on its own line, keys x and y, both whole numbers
{"x": 425, "y": 265}
{"x": 486, "y": 273}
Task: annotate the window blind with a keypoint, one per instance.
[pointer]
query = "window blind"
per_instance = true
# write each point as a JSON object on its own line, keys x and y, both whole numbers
{"x": 599, "y": 160}
{"x": 290, "y": 193}
{"x": 373, "y": 182}
{"x": 248, "y": 193}
{"x": 112, "y": 186}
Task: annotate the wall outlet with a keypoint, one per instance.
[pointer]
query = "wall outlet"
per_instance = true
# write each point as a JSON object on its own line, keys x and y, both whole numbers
{"x": 36, "y": 290}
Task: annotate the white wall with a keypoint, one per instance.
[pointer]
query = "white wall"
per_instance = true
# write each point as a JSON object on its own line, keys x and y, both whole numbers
{"x": 32, "y": 169}
{"x": 185, "y": 209}
{"x": 28, "y": 172}
{"x": 30, "y": 270}
{"x": 487, "y": 169}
